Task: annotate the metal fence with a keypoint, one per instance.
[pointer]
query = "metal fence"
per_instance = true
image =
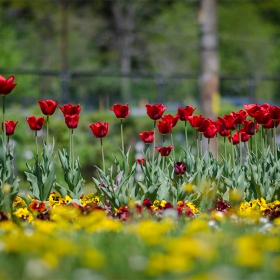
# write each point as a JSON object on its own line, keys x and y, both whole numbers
{"x": 97, "y": 90}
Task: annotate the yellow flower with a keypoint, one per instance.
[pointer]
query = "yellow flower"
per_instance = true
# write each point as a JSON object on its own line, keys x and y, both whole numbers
{"x": 193, "y": 207}
{"x": 24, "y": 214}
{"x": 19, "y": 203}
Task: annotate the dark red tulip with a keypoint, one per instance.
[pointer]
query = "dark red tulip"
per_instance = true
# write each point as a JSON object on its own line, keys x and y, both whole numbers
{"x": 72, "y": 121}
{"x": 147, "y": 203}
{"x": 252, "y": 109}
{"x": 265, "y": 106}
{"x": 10, "y": 127}
{"x": 164, "y": 127}
{"x": 121, "y": 111}
{"x": 244, "y": 136}
{"x": 155, "y": 111}
{"x": 205, "y": 124}
{"x": 263, "y": 116}
{"x": 147, "y": 137}
{"x": 239, "y": 116}
{"x": 69, "y": 109}
{"x": 48, "y": 107}
{"x": 141, "y": 161}
{"x": 164, "y": 151}
{"x": 179, "y": 168}
{"x": 6, "y": 85}
{"x": 210, "y": 131}
{"x": 228, "y": 122}
{"x": 271, "y": 124}
{"x": 99, "y": 130}
{"x": 170, "y": 118}
{"x": 196, "y": 121}
{"x": 184, "y": 113}
{"x": 249, "y": 127}
{"x": 35, "y": 123}
{"x": 221, "y": 129}
{"x": 275, "y": 112}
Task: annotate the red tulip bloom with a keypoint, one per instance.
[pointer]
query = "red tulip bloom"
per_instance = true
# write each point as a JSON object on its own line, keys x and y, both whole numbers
{"x": 196, "y": 121}
{"x": 275, "y": 112}
{"x": 239, "y": 116}
{"x": 179, "y": 168}
{"x": 249, "y": 127}
{"x": 147, "y": 137}
{"x": 48, "y": 107}
{"x": 184, "y": 113}
{"x": 228, "y": 122}
{"x": 121, "y": 111}
{"x": 263, "y": 116}
{"x": 205, "y": 124}
{"x": 155, "y": 111}
{"x": 99, "y": 130}
{"x": 271, "y": 124}
{"x": 244, "y": 136}
{"x": 221, "y": 129}
{"x": 235, "y": 138}
{"x": 141, "y": 161}
{"x": 252, "y": 109}
{"x": 210, "y": 131}
{"x": 170, "y": 118}
{"x": 164, "y": 151}
{"x": 70, "y": 110}
{"x": 35, "y": 123}
{"x": 72, "y": 121}
{"x": 6, "y": 85}
{"x": 10, "y": 127}
{"x": 164, "y": 127}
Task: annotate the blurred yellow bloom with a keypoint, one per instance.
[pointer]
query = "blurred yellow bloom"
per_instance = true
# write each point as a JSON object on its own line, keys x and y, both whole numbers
{"x": 24, "y": 214}
{"x": 90, "y": 198}
{"x": 19, "y": 203}
{"x": 92, "y": 258}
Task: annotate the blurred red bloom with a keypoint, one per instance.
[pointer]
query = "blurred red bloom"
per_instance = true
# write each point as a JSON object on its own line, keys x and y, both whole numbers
{"x": 48, "y": 106}
{"x": 141, "y": 161}
{"x": 196, "y": 121}
{"x": 179, "y": 168}
{"x": 235, "y": 138}
{"x": 228, "y": 122}
{"x": 68, "y": 109}
{"x": 147, "y": 137}
{"x": 164, "y": 127}
{"x": 99, "y": 130}
{"x": 37, "y": 206}
{"x": 239, "y": 116}
{"x": 147, "y": 203}
{"x": 35, "y": 123}
{"x": 275, "y": 112}
{"x": 6, "y": 85}
{"x": 210, "y": 131}
{"x": 252, "y": 109}
{"x": 262, "y": 116}
{"x": 72, "y": 121}
{"x": 271, "y": 124}
{"x": 249, "y": 127}
{"x": 170, "y": 118}
{"x": 184, "y": 113}
{"x": 221, "y": 129}
{"x": 121, "y": 111}
{"x": 204, "y": 125}
{"x": 10, "y": 127}
{"x": 164, "y": 151}
{"x": 155, "y": 111}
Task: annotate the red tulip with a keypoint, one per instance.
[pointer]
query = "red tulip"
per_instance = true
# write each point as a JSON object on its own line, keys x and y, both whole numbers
{"x": 164, "y": 127}
{"x": 228, "y": 122}
{"x": 6, "y": 85}
{"x": 179, "y": 168}
{"x": 271, "y": 124}
{"x": 121, "y": 111}
{"x": 48, "y": 107}
{"x": 141, "y": 161}
{"x": 221, "y": 129}
{"x": 235, "y": 138}
{"x": 249, "y": 127}
{"x": 99, "y": 130}
{"x": 164, "y": 151}
{"x": 70, "y": 110}
{"x": 35, "y": 123}
{"x": 252, "y": 109}
{"x": 147, "y": 137}
{"x": 205, "y": 124}
{"x": 170, "y": 118}
{"x": 262, "y": 116}
{"x": 184, "y": 113}
{"x": 72, "y": 121}
{"x": 210, "y": 131}
{"x": 275, "y": 112}
{"x": 155, "y": 111}
{"x": 10, "y": 127}
{"x": 239, "y": 116}
{"x": 196, "y": 121}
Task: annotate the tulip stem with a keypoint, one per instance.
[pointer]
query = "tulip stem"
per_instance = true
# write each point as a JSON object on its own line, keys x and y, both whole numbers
{"x": 262, "y": 139}
{"x": 154, "y": 148}
{"x": 163, "y": 163}
{"x": 47, "y": 131}
{"x": 186, "y": 135}
{"x": 275, "y": 142}
{"x": 172, "y": 143}
{"x": 102, "y": 152}
{"x": 197, "y": 143}
{"x": 72, "y": 147}
{"x": 256, "y": 145}
{"x": 217, "y": 147}
{"x": 36, "y": 140}
{"x": 4, "y": 124}
{"x": 240, "y": 147}
{"x": 122, "y": 135}
{"x": 232, "y": 151}
{"x": 208, "y": 151}
{"x": 225, "y": 148}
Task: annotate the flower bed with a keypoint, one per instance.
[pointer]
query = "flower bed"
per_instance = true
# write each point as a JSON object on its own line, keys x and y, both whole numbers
{"x": 181, "y": 216}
